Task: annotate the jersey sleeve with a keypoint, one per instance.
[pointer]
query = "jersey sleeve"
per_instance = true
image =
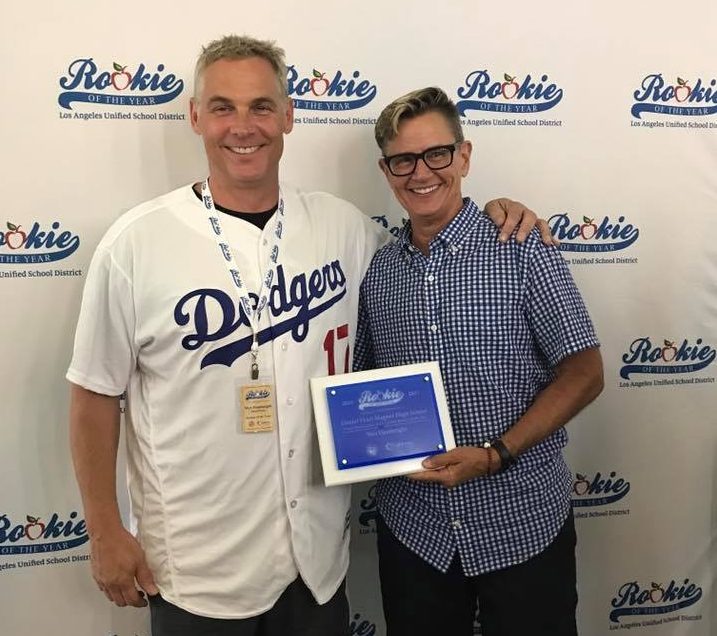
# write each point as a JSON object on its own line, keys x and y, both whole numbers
{"x": 558, "y": 318}
{"x": 375, "y": 238}
{"x": 104, "y": 351}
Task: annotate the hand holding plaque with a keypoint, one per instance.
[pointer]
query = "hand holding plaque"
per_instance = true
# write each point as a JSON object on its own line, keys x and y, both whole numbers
{"x": 380, "y": 423}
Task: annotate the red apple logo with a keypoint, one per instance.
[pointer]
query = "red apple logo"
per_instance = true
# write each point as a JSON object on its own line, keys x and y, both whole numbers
{"x": 319, "y": 85}
{"x": 581, "y": 485}
{"x": 588, "y": 229}
{"x": 120, "y": 78}
{"x": 682, "y": 90}
{"x": 509, "y": 88}
{"x": 14, "y": 237}
{"x": 669, "y": 351}
{"x": 656, "y": 593}
{"x": 34, "y": 527}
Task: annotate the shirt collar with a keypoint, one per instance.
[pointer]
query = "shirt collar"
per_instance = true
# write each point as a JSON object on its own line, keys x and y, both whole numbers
{"x": 450, "y": 236}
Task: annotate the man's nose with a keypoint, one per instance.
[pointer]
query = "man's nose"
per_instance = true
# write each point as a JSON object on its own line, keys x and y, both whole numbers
{"x": 422, "y": 170}
{"x": 242, "y": 123}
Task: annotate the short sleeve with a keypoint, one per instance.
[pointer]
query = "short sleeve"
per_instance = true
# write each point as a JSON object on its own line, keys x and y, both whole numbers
{"x": 104, "y": 351}
{"x": 555, "y": 309}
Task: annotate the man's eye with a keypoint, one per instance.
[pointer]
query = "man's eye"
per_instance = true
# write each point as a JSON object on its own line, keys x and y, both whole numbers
{"x": 437, "y": 155}
{"x": 402, "y": 161}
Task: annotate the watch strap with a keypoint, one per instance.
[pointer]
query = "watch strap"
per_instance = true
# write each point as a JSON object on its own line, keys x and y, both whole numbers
{"x": 506, "y": 458}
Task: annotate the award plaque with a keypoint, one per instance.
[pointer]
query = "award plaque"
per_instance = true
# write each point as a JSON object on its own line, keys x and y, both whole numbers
{"x": 380, "y": 423}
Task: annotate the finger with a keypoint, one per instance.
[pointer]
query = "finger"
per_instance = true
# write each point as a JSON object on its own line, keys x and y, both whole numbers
{"x": 443, "y": 476}
{"x": 146, "y": 580}
{"x": 137, "y": 599}
{"x": 428, "y": 475}
{"x": 545, "y": 234}
{"x": 512, "y": 218}
{"x": 441, "y": 460}
{"x": 132, "y": 596}
{"x": 114, "y": 593}
{"x": 527, "y": 223}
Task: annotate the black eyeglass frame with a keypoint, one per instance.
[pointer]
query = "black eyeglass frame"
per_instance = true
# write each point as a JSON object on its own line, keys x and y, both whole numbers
{"x": 415, "y": 156}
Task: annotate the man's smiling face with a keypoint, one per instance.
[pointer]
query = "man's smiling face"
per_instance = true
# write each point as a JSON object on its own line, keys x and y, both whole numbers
{"x": 242, "y": 115}
{"x": 426, "y": 194}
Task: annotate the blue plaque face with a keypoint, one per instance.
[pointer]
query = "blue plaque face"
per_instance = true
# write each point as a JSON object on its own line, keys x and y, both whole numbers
{"x": 384, "y": 420}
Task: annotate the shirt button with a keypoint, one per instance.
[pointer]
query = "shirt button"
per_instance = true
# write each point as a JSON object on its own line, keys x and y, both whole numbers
{"x": 293, "y": 503}
{"x": 434, "y": 328}
{"x": 453, "y": 249}
{"x": 284, "y": 346}
{"x": 264, "y": 242}
{"x": 456, "y": 523}
{"x": 291, "y": 453}
{"x": 290, "y": 401}
{"x": 431, "y": 278}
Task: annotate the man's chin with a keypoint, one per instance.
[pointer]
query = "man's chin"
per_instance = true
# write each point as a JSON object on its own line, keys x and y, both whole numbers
{"x": 249, "y": 178}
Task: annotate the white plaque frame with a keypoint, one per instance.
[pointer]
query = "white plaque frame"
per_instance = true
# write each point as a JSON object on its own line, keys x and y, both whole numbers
{"x": 333, "y": 476}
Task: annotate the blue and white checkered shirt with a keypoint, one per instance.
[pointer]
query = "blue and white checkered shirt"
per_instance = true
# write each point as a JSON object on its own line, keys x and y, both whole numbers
{"x": 498, "y": 318}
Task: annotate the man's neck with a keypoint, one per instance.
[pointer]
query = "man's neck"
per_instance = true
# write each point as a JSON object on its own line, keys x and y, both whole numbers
{"x": 425, "y": 229}
{"x": 248, "y": 199}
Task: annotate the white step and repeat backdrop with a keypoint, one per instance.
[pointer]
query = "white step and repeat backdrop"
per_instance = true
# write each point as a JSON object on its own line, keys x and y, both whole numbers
{"x": 601, "y": 116}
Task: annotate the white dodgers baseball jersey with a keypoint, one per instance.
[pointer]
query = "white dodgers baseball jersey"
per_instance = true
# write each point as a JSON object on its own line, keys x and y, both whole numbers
{"x": 227, "y": 519}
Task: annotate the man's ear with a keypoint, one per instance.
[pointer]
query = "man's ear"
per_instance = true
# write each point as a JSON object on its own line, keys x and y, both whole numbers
{"x": 194, "y": 115}
{"x": 466, "y": 151}
{"x": 384, "y": 167}
{"x": 289, "y": 124}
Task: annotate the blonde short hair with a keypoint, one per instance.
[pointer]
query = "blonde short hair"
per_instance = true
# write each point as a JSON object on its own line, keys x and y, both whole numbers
{"x": 413, "y": 104}
{"x": 240, "y": 47}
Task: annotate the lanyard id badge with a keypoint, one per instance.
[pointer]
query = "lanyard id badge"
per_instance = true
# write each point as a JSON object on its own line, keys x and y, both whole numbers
{"x": 256, "y": 398}
{"x": 257, "y": 406}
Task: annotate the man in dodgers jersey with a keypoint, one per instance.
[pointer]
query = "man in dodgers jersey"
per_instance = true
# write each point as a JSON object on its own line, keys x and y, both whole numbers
{"x": 236, "y": 533}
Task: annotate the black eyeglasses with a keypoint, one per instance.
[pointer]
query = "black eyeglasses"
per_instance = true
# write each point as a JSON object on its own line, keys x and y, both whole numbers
{"x": 435, "y": 158}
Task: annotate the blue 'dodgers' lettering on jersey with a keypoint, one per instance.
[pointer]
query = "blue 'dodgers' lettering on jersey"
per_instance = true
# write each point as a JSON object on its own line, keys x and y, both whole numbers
{"x": 295, "y": 298}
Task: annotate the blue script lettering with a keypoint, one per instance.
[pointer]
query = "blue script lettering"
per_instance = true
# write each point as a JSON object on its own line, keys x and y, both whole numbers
{"x": 83, "y": 72}
{"x": 564, "y": 229}
{"x": 358, "y": 627}
{"x": 294, "y": 298}
{"x": 338, "y": 85}
{"x": 54, "y": 528}
{"x": 700, "y": 94}
{"x": 653, "y": 88}
{"x": 369, "y": 507}
{"x": 478, "y": 83}
{"x": 641, "y": 350}
{"x": 631, "y": 594}
{"x": 631, "y": 600}
{"x": 599, "y": 485}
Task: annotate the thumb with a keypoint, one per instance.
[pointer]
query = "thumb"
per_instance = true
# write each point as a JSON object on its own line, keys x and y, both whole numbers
{"x": 145, "y": 579}
{"x": 439, "y": 461}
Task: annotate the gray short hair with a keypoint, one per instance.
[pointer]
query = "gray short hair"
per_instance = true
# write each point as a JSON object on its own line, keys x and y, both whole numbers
{"x": 240, "y": 47}
{"x": 413, "y": 104}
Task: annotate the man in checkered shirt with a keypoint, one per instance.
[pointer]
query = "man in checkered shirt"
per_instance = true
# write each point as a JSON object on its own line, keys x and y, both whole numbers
{"x": 488, "y": 523}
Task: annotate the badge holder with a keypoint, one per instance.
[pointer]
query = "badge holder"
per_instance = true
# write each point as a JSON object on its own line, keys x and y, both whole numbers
{"x": 257, "y": 400}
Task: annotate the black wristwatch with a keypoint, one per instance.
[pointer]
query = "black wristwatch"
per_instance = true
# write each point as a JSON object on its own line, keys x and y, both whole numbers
{"x": 506, "y": 459}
